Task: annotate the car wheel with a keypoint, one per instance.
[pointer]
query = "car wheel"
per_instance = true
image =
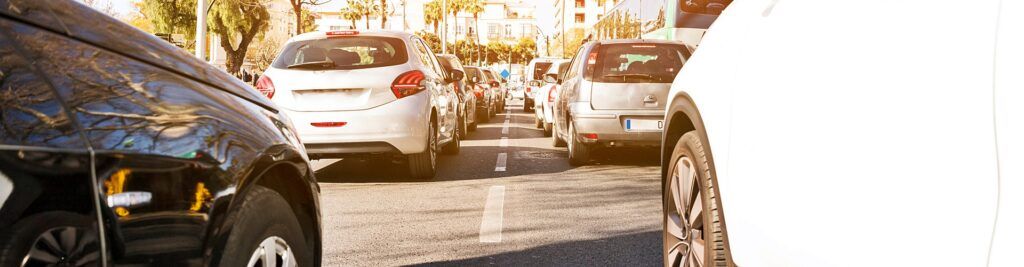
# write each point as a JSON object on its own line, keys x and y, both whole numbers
{"x": 453, "y": 147}
{"x": 491, "y": 111}
{"x": 423, "y": 165}
{"x": 472, "y": 126}
{"x": 693, "y": 230}
{"x": 579, "y": 153}
{"x": 547, "y": 129}
{"x": 537, "y": 123}
{"x": 483, "y": 115}
{"x": 555, "y": 140}
{"x": 270, "y": 235}
{"x": 55, "y": 238}
{"x": 464, "y": 127}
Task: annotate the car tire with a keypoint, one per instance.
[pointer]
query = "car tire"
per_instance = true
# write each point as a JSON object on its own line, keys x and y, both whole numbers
{"x": 547, "y": 129}
{"x": 579, "y": 153}
{"x": 483, "y": 115}
{"x": 688, "y": 171}
{"x": 472, "y": 126}
{"x": 463, "y": 127}
{"x": 423, "y": 165}
{"x": 268, "y": 223}
{"x": 556, "y": 141}
{"x": 25, "y": 245}
{"x": 537, "y": 123}
{"x": 453, "y": 147}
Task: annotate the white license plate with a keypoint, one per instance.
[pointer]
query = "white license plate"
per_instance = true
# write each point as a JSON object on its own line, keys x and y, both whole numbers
{"x": 644, "y": 125}
{"x": 331, "y": 98}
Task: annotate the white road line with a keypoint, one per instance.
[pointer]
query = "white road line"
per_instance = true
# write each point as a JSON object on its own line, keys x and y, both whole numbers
{"x": 490, "y": 227}
{"x": 504, "y": 128}
{"x": 503, "y": 142}
{"x": 500, "y": 165}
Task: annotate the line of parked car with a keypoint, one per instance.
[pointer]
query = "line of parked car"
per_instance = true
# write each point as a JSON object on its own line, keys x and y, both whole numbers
{"x": 118, "y": 148}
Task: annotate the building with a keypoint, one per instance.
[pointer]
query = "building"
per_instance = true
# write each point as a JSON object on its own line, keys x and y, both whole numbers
{"x": 405, "y": 15}
{"x": 573, "y": 17}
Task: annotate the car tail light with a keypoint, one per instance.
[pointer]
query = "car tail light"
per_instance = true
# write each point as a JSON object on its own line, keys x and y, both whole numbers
{"x": 551, "y": 94}
{"x": 479, "y": 94}
{"x": 590, "y": 136}
{"x": 329, "y": 124}
{"x": 407, "y": 84}
{"x": 265, "y": 86}
{"x": 495, "y": 85}
{"x": 528, "y": 89}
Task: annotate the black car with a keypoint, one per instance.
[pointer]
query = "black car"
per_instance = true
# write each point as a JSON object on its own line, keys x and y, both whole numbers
{"x": 117, "y": 148}
{"x": 467, "y": 98}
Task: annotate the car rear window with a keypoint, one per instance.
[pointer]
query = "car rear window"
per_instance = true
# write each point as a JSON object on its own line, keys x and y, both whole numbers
{"x": 638, "y": 63}
{"x": 473, "y": 72}
{"x": 342, "y": 53}
{"x": 539, "y": 69}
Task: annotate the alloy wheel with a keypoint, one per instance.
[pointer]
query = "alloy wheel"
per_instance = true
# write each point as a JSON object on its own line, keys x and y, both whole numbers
{"x": 64, "y": 246}
{"x": 273, "y": 252}
{"x": 684, "y": 223}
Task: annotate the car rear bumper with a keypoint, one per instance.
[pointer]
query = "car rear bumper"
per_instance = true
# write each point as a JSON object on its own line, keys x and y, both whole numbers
{"x": 396, "y": 127}
{"x": 610, "y": 126}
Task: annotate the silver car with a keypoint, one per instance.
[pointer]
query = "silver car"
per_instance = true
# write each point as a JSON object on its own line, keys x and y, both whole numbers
{"x": 352, "y": 94}
{"x": 613, "y": 95}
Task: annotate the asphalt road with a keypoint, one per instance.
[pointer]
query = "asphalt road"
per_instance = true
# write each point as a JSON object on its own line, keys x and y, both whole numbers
{"x": 550, "y": 213}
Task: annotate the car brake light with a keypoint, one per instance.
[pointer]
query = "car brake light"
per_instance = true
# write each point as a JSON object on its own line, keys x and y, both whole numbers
{"x": 551, "y": 94}
{"x": 265, "y": 86}
{"x": 329, "y": 124}
{"x": 407, "y": 84}
{"x": 342, "y": 33}
{"x": 590, "y": 136}
{"x": 528, "y": 89}
{"x": 479, "y": 94}
{"x": 495, "y": 85}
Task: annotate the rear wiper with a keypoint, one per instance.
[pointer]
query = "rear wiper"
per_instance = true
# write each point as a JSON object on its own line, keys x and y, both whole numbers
{"x": 632, "y": 75}
{"x": 312, "y": 65}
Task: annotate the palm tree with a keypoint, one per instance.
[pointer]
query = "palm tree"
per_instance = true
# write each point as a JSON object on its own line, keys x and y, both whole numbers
{"x": 383, "y": 13}
{"x": 367, "y": 9}
{"x": 475, "y": 7}
{"x": 432, "y": 13}
{"x": 454, "y": 7}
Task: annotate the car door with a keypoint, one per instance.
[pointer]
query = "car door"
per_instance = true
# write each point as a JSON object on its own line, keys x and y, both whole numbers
{"x": 443, "y": 101}
{"x": 851, "y": 134}
{"x": 48, "y": 212}
{"x": 169, "y": 150}
{"x": 567, "y": 91}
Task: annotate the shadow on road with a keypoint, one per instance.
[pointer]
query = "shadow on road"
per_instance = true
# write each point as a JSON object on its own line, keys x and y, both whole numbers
{"x": 641, "y": 249}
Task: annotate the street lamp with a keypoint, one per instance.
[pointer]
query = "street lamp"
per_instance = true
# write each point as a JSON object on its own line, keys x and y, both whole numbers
{"x": 201, "y": 11}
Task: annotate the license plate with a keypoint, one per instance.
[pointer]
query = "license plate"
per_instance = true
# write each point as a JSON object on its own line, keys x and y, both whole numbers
{"x": 644, "y": 125}
{"x": 333, "y": 98}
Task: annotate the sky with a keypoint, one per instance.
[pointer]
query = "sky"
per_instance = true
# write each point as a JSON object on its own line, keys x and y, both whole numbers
{"x": 544, "y": 14}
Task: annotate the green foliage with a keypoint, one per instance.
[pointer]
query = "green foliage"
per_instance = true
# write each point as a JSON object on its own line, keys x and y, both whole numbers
{"x": 432, "y": 14}
{"x": 171, "y": 16}
{"x": 308, "y": 20}
{"x": 431, "y": 39}
{"x": 237, "y": 22}
{"x": 351, "y": 12}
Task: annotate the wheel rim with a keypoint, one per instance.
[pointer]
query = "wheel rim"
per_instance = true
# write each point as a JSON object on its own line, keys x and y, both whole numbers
{"x": 684, "y": 220}
{"x": 64, "y": 246}
{"x": 572, "y": 140}
{"x": 433, "y": 146}
{"x": 273, "y": 252}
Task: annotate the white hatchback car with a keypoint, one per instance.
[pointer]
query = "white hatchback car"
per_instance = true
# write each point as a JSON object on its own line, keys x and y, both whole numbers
{"x": 543, "y": 114}
{"x": 849, "y": 133}
{"x": 355, "y": 93}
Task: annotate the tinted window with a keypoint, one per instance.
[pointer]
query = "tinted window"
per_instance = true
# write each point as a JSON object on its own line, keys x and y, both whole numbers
{"x": 539, "y": 69}
{"x": 343, "y": 53}
{"x": 30, "y": 112}
{"x": 638, "y": 63}
{"x": 473, "y": 72}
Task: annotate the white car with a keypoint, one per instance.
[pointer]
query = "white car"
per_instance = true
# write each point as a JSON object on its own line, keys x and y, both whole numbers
{"x": 534, "y": 72}
{"x": 849, "y": 133}
{"x": 353, "y": 94}
{"x": 546, "y": 94}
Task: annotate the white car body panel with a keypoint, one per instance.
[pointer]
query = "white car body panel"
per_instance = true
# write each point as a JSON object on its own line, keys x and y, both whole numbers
{"x": 1008, "y": 238}
{"x": 846, "y": 134}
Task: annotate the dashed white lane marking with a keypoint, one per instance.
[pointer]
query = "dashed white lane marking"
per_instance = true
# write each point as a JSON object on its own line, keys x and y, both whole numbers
{"x": 504, "y": 128}
{"x": 502, "y": 160}
{"x": 503, "y": 142}
{"x": 490, "y": 227}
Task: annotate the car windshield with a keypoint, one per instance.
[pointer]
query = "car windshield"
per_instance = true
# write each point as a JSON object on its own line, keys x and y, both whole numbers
{"x": 342, "y": 53}
{"x": 638, "y": 63}
{"x": 539, "y": 69}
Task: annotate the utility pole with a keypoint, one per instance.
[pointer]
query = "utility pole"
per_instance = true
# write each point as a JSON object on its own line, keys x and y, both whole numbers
{"x": 201, "y": 29}
{"x": 444, "y": 19}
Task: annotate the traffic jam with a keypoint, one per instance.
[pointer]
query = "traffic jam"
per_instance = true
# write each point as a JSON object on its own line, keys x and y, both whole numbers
{"x": 734, "y": 133}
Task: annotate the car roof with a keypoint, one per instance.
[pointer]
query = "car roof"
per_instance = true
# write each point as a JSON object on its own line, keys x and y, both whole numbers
{"x": 376, "y": 33}
{"x": 637, "y": 41}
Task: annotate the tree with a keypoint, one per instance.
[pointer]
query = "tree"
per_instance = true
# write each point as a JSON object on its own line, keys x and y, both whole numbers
{"x": 172, "y": 16}
{"x": 524, "y": 50}
{"x": 264, "y": 52}
{"x": 238, "y": 21}
{"x": 475, "y": 7}
{"x": 431, "y": 39}
{"x": 309, "y": 20}
{"x": 350, "y": 13}
{"x": 298, "y": 10}
{"x": 432, "y": 14}
{"x": 454, "y": 7}
{"x": 366, "y": 8}
{"x": 383, "y": 8}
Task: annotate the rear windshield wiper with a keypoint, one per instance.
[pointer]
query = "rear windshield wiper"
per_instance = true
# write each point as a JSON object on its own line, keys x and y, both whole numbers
{"x": 312, "y": 65}
{"x": 632, "y": 75}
